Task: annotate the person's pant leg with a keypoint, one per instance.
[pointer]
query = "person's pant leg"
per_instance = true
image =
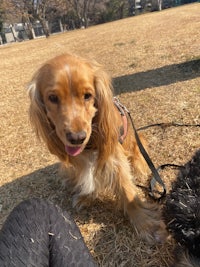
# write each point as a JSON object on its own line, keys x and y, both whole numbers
{"x": 39, "y": 234}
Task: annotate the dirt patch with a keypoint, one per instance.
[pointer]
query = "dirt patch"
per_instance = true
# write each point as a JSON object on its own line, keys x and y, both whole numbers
{"x": 155, "y": 62}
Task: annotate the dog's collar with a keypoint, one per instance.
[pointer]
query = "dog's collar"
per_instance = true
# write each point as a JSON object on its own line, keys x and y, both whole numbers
{"x": 123, "y": 112}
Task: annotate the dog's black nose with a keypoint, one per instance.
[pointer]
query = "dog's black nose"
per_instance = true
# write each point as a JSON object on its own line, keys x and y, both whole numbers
{"x": 76, "y": 138}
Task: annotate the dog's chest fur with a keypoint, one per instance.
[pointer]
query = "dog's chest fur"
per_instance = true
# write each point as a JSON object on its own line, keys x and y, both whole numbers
{"x": 85, "y": 175}
{"x": 87, "y": 178}
{"x": 81, "y": 172}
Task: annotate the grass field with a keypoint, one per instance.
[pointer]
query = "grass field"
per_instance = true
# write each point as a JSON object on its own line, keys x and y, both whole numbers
{"x": 154, "y": 60}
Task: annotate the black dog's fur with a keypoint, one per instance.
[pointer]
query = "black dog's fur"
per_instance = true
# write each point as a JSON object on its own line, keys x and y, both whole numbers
{"x": 181, "y": 214}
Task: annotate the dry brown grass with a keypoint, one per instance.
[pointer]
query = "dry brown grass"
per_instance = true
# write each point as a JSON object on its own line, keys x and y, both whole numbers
{"x": 155, "y": 62}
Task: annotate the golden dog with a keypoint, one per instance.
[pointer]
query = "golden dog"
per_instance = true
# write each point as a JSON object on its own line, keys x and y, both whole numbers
{"x": 72, "y": 109}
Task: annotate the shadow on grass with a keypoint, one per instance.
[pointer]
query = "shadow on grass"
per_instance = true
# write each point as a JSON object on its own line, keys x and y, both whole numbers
{"x": 158, "y": 77}
{"x": 40, "y": 183}
{"x": 104, "y": 239}
{"x": 45, "y": 183}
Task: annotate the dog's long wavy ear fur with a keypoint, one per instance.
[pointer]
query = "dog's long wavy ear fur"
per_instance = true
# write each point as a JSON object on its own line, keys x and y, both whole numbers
{"x": 40, "y": 122}
{"x": 107, "y": 137}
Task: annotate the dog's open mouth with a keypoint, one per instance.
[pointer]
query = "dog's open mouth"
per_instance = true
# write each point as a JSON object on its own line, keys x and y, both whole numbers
{"x": 73, "y": 151}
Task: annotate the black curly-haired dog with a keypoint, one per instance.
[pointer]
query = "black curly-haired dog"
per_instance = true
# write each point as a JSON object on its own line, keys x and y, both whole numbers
{"x": 181, "y": 214}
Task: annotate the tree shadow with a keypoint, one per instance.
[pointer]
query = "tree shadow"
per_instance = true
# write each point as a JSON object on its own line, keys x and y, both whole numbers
{"x": 157, "y": 77}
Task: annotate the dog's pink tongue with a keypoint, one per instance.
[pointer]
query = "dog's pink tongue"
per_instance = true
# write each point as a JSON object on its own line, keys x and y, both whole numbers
{"x": 73, "y": 151}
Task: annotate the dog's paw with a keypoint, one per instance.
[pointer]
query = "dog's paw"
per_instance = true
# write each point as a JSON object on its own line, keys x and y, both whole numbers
{"x": 155, "y": 233}
{"x": 147, "y": 223}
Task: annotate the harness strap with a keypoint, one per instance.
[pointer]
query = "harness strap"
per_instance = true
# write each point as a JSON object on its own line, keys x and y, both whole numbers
{"x": 156, "y": 177}
{"x": 124, "y": 119}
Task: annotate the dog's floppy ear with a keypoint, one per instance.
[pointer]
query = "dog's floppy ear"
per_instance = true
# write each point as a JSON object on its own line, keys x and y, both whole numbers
{"x": 40, "y": 122}
{"x": 107, "y": 136}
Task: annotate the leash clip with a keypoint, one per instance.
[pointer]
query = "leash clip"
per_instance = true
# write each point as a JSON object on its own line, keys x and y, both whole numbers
{"x": 120, "y": 106}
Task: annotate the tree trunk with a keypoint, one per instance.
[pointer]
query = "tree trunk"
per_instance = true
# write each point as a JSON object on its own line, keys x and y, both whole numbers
{"x": 159, "y": 5}
{"x": 45, "y": 27}
{"x": 29, "y": 31}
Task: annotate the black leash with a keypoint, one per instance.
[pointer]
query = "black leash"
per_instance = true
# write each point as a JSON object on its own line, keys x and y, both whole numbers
{"x": 153, "y": 181}
{"x": 163, "y": 125}
{"x": 167, "y": 124}
{"x": 156, "y": 177}
{"x": 155, "y": 194}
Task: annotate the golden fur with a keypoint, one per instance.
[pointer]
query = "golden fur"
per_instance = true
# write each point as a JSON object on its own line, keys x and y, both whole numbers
{"x": 72, "y": 110}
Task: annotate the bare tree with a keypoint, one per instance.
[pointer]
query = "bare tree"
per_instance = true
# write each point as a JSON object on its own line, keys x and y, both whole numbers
{"x": 39, "y": 8}
{"x": 30, "y": 11}
{"x": 46, "y": 10}
{"x": 10, "y": 13}
{"x": 157, "y": 5}
{"x": 84, "y": 10}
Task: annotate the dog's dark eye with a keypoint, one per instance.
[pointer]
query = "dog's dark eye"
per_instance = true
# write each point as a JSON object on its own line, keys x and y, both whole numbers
{"x": 53, "y": 99}
{"x": 87, "y": 96}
